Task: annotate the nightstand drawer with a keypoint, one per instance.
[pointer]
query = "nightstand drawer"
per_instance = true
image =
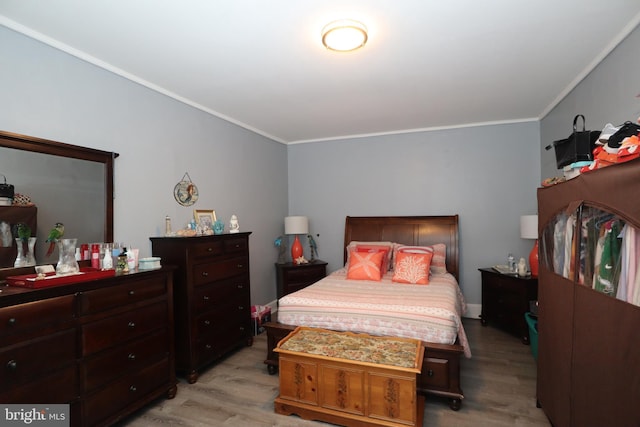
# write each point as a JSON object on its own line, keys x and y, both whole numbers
{"x": 291, "y": 277}
{"x": 305, "y": 274}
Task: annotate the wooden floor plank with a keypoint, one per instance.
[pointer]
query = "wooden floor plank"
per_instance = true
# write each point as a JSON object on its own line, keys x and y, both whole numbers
{"x": 499, "y": 384}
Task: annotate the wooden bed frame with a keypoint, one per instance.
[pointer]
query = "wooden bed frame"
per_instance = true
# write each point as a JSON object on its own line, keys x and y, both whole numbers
{"x": 441, "y": 367}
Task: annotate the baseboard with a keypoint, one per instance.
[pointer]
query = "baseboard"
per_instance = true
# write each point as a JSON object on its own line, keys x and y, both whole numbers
{"x": 473, "y": 311}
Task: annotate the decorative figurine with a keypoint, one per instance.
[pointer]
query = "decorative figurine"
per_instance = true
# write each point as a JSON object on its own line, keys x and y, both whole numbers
{"x": 234, "y": 227}
{"x": 55, "y": 234}
{"x": 218, "y": 227}
{"x": 313, "y": 247}
{"x": 282, "y": 249}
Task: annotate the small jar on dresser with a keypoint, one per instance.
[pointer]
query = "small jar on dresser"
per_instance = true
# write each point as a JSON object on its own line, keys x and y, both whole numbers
{"x": 212, "y": 298}
{"x": 292, "y": 277}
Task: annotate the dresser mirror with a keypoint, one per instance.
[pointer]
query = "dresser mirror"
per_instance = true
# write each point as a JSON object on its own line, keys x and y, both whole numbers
{"x": 67, "y": 183}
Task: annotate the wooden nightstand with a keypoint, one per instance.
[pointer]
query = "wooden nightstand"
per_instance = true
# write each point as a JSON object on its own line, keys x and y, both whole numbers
{"x": 291, "y": 277}
{"x": 505, "y": 300}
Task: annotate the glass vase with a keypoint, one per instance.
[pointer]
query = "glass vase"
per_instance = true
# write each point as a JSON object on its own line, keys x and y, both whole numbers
{"x": 25, "y": 256}
{"x": 67, "y": 263}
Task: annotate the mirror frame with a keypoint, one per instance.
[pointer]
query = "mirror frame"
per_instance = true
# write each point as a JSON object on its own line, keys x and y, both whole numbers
{"x": 54, "y": 148}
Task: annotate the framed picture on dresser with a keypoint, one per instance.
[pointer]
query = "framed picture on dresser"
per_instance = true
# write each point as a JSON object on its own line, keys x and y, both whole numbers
{"x": 205, "y": 218}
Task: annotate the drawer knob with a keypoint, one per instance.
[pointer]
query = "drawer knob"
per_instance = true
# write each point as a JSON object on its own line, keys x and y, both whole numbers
{"x": 242, "y": 328}
{"x": 208, "y": 346}
{"x": 240, "y": 307}
{"x": 12, "y": 321}
{"x": 133, "y": 388}
{"x": 240, "y": 265}
{"x": 238, "y": 245}
{"x": 206, "y": 297}
{"x": 205, "y": 274}
{"x": 210, "y": 249}
{"x": 240, "y": 286}
{"x": 131, "y": 356}
{"x": 12, "y": 365}
{"x": 131, "y": 324}
{"x": 207, "y": 322}
{"x": 132, "y": 292}
{"x": 430, "y": 373}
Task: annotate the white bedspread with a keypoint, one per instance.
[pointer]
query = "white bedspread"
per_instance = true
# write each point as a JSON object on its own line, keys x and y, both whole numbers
{"x": 430, "y": 313}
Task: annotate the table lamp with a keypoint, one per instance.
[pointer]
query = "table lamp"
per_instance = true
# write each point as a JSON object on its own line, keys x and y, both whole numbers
{"x": 296, "y": 225}
{"x": 529, "y": 230}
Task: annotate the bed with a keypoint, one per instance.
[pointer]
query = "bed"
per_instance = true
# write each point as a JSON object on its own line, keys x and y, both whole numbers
{"x": 443, "y": 334}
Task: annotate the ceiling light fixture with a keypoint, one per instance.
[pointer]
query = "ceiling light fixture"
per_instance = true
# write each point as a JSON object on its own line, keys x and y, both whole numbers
{"x": 344, "y": 35}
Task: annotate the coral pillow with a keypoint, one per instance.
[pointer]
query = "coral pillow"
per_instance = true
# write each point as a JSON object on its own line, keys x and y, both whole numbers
{"x": 412, "y": 268}
{"x": 385, "y": 261}
{"x": 439, "y": 250}
{"x": 365, "y": 266}
{"x": 358, "y": 246}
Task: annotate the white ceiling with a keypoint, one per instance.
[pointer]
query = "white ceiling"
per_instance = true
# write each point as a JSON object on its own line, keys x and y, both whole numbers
{"x": 260, "y": 64}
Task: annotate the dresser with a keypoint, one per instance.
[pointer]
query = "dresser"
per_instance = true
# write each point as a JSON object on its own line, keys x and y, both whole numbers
{"x": 212, "y": 298}
{"x": 292, "y": 277}
{"x": 505, "y": 300}
{"x": 105, "y": 346}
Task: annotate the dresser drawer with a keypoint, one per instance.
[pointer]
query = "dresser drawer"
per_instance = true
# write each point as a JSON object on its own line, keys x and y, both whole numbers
{"x": 127, "y": 358}
{"x": 58, "y": 387}
{"x": 132, "y": 291}
{"x": 33, "y": 359}
{"x": 216, "y": 294}
{"x": 236, "y": 245}
{"x": 127, "y": 390}
{"x": 219, "y": 343}
{"x": 116, "y": 330}
{"x": 210, "y": 272}
{"x": 43, "y": 316}
{"x": 232, "y": 315}
{"x": 206, "y": 249}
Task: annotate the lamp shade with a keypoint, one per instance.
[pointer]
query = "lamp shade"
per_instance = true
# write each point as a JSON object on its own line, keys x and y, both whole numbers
{"x": 296, "y": 225}
{"x": 529, "y": 226}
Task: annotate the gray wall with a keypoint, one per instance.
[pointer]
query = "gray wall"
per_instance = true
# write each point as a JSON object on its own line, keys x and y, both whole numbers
{"x": 609, "y": 94}
{"x": 49, "y": 94}
{"x": 487, "y": 174}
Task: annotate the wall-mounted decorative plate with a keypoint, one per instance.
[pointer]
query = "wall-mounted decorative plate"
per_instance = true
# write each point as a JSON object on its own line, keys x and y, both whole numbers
{"x": 185, "y": 192}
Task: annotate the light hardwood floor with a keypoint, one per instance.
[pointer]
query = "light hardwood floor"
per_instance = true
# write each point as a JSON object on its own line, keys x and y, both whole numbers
{"x": 499, "y": 384}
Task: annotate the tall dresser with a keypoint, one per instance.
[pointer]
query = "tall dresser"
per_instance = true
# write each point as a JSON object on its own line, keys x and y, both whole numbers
{"x": 212, "y": 299}
{"x": 105, "y": 346}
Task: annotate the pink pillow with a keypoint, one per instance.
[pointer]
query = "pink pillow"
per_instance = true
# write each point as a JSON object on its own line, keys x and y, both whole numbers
{"x": 365, "y": 266}
{"x": 411, "y": 267}
{"x": 439, "y": 250}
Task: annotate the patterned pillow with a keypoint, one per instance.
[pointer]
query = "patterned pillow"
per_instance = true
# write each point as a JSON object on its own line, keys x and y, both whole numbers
{"x": 365, "y": 266}
{"x": 439, "y": 250}
{"x": 364, "y": 246}
{"x": 412, "y": 268}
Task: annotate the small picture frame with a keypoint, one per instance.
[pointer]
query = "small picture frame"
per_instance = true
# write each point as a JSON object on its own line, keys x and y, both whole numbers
{"x": 205, "y": 218}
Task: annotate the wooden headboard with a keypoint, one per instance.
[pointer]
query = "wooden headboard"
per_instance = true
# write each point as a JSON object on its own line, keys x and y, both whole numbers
{"x": 409, "y": 230}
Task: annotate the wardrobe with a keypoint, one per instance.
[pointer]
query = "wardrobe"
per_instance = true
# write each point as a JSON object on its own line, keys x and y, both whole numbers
{"x": 588, "y": 336}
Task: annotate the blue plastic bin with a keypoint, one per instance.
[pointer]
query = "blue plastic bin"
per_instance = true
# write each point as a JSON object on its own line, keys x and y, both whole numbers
{"x": 532, "y": 321}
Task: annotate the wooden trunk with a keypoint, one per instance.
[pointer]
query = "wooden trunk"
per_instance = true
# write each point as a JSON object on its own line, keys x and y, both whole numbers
{"x": 350, "y": 392}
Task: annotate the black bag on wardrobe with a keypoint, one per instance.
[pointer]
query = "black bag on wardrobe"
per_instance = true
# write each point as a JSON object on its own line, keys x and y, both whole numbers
{"x": 6, "y": 190}
{"x": 577, "y": 147}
